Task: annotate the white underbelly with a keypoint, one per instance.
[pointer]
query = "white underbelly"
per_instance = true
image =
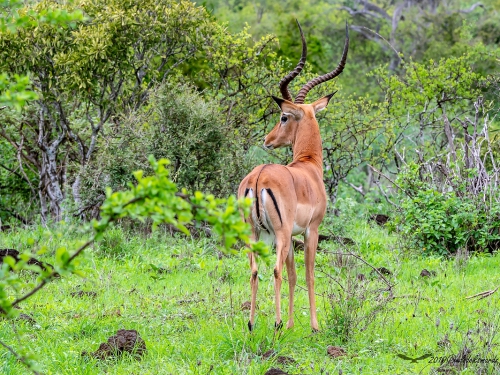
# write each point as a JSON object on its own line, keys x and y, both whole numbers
{"x": 268, "y": 238}
{"x": 303, "y": 217}
{"x": 297, "y": 229}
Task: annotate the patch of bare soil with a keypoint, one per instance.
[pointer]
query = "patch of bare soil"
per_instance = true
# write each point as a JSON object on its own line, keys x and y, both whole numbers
{"x": 298, "y": 245}
{"x": 27, "y": 318}
{"x": 344, "y": 240}
{"x": 275, "y": 371}
{"x": 426, "y": 273}
{"x": 281, "y": 359}
{"x": 383, "y": 271}
{"x": 380, "y": 219}
{"x": 246, "y": 305}
{"x": 268, "y": 354}
{"x": 336, "y": 351}
{"x": 84, "y": 293}
{"x": 125, "y": 340}
{"x": 284, "y": 360}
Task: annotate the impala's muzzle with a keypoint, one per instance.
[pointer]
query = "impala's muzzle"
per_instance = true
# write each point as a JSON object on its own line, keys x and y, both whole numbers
{"x": 268, "y": 147}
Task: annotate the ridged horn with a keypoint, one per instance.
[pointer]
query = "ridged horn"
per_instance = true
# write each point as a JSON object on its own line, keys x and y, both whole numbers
{"x": 294, "y": 73}
{"x": 299, "y": 99}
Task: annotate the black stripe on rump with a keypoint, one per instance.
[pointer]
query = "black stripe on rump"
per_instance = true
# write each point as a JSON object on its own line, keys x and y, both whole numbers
{"x": 246, "y": 192}
{"x": 270, "y": 192}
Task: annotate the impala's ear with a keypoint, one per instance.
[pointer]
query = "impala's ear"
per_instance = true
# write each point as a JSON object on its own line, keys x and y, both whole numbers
{"x": 289, "y": 108}
{"x": 321, "y": 104}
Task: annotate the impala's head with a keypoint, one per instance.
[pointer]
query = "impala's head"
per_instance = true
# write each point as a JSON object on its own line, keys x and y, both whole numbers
{"x": 295, "y": 113}
{"x": 292, "y": 116}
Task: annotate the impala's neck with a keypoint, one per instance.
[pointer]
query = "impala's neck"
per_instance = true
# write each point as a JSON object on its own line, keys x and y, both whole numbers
{"x": 307, "y": 147}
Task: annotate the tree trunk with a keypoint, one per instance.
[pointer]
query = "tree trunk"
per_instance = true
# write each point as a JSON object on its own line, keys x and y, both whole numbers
{"x": 75, "y": 188}
{"x": 53, "y": 189}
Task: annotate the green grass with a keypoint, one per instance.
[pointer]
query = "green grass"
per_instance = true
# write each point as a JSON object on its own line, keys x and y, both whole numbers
{"x": 190, "y": 316}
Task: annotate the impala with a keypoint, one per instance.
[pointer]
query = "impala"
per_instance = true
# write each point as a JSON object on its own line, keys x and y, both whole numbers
{"x": 291, "y": 200}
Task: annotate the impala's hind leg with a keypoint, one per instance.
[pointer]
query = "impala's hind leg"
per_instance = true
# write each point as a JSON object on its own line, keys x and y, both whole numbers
{"x": 282, "y": 249}
{"x": 310, "y": 246}
{"x": 254, "y": 283}
{"x": 292, "y": 280}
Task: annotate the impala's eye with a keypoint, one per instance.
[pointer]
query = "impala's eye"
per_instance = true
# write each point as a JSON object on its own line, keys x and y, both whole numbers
{"x": 284, "y": 119}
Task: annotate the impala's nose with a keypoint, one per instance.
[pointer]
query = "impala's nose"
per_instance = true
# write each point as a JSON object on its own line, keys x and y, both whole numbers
{"x": 267, "y": 147}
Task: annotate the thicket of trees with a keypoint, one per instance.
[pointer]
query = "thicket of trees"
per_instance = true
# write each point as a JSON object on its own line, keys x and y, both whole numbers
{"x": 93, "y": 78}
{"x": 418, "y": 29}
{"x": 418, "y": 101}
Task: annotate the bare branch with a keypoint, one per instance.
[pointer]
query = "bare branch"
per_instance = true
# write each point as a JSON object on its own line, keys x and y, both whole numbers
{"x": 359, "y": 188}
{"x": 367, "y": 33}
{"x": 349, "y": 253}
{"x": 19, "y": 159}
{"x": 16, "y": 215}
{"x": 472, "y": 8}
{"x": 449, "y": 133}
{"x": 385, "y": 194}
{"x": 387, "y": 178}
{"x": 374, "y": 8}
{"x": 353, "y": 12}
{"x": 484, "y": 294}
{"x": 11, "y": 171}
{"x": 13, "y": 143}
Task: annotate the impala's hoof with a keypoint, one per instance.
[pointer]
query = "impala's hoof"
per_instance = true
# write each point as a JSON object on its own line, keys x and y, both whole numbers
{"x": 250, "y": 326}
{"x": 315, "y": 330}
{"x": 278, "y": 326}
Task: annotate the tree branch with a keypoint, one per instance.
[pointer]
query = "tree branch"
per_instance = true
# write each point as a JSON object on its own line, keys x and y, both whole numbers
{"x": 15, "y": 215}
{"x": 374, "y": 8}
{"x": 359, "y": 188}
{"x": 389, "y": 285}
{"x": 19, "y": 357}
{"x": 52, "y": 274}
{"x": 472, "y": 8}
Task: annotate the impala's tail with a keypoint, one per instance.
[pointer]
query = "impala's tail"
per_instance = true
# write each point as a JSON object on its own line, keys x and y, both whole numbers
{"x": 265, "y": 205}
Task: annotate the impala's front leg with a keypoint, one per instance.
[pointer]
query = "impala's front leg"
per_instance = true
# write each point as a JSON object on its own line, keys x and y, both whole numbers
{"x": 310, "y": 246}
{"x": 254, "y": 283}
{"x": 282, "y": 249}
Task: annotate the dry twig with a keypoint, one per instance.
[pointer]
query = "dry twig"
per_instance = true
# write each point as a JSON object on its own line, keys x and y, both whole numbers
{"x": 484, "y": 294}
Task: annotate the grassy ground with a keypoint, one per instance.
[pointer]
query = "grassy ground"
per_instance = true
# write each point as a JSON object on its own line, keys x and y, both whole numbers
{"x": 190, "y": 314}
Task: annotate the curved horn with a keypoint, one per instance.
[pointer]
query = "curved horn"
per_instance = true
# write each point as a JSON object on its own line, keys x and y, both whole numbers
{"x": 294, "y": 73}
{"x": 299, "y": 99}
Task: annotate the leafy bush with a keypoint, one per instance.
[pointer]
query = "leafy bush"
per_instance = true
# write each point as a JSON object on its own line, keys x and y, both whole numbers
{"x": 189, "y": 132}
{"x": 448, "y": 179}
{"x": 180, "y": 126}
{"x": 445, "y": 222}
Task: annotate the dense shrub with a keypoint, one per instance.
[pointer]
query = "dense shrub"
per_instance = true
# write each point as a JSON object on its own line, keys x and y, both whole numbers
{"x": 179, "y": 125}
{"x": 443, "y": 222}
{"x": 189, "y": 132}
